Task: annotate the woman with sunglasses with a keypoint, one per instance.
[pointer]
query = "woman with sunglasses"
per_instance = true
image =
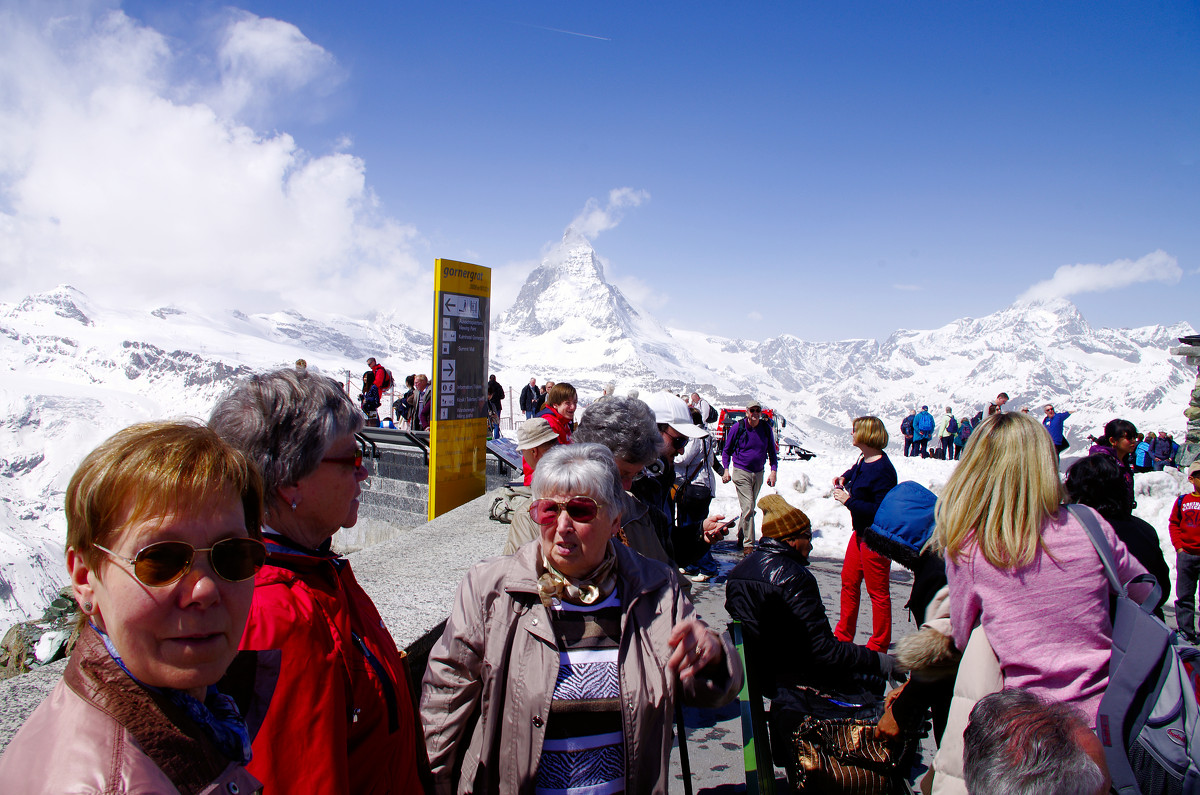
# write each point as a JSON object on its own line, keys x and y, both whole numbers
{"x": 560, "y": 665}
{"x": 342, "y": 719}
{"x": 162, "y": 548}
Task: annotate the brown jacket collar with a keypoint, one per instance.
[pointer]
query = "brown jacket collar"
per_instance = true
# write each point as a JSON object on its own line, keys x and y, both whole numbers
{"x": 166, "y": 734}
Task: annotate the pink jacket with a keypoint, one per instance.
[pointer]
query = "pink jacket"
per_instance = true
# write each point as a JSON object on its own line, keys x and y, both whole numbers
{"x": 99, "y": 732}
{"x": 1048, "y": 622}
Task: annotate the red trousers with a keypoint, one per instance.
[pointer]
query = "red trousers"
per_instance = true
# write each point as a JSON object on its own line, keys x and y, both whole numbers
{"x": 862, "y": 562}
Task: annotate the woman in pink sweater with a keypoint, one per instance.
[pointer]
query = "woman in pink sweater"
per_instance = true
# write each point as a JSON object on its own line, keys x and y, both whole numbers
{"x": 1022, "y": 567}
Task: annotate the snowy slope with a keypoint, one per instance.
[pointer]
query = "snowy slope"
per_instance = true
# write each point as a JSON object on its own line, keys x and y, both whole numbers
{"x": 71, "y": 373}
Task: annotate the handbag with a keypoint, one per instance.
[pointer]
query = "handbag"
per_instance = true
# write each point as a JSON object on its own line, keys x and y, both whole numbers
{"x": 843, "y": 755}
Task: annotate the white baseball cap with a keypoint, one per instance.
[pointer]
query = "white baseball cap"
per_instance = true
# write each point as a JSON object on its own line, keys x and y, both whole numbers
{"x": 671, "y": 410}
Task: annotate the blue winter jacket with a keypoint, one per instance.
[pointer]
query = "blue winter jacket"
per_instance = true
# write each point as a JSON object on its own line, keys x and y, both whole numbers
{"x": 902, "y": 524}
{"x": 1141, "y": 454}
{"x": 1054, "y": 425}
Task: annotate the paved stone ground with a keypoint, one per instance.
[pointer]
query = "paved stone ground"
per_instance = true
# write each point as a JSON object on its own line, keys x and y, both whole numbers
{"x": 715, "y": 736}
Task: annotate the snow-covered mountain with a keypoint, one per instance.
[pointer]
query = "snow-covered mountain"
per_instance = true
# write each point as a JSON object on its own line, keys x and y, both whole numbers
{"x": 72, "y": 373}
{"x": 569, "y": 319}
{"x": 571, "y": 324}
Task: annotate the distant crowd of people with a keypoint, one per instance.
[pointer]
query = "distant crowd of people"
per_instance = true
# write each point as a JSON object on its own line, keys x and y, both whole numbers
{"x": 949, "y": 434}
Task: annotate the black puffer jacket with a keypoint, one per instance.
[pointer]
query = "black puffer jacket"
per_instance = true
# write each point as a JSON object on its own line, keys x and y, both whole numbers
{"x": 788, "y": 638}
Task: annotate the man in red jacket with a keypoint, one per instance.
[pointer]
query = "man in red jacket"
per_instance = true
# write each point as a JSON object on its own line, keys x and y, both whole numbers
{"x": 380, "y": 375}
{"x": 1185, "y": 537}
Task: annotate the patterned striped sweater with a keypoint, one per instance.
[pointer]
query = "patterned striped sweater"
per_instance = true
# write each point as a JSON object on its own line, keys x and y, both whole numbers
{"x": 584, "y": 749}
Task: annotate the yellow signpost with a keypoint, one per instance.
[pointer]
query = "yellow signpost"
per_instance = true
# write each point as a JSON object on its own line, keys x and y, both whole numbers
{"x": 458, "y": 428}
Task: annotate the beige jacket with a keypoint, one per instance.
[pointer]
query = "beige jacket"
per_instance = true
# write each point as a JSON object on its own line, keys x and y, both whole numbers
{"x": 522, "y": 530}
{"x": 979, "y": 675}
{"x": 99, "y": 732}
{"x": 490, "y": 680}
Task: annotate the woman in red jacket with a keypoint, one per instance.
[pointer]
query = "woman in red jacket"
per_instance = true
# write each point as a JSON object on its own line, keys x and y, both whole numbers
{"x": 341, "y": 718}
{"x": 561, "y": 403}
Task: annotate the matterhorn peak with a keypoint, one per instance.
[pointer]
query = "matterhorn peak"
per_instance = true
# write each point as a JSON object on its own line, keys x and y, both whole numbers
{"x": 568, "y": 285}
{"x": 573, "y": 238}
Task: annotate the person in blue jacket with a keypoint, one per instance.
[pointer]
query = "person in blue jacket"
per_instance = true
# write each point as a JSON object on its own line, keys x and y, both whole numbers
{"x": 1053, "y": 423}
{"x": 922, "y": 432}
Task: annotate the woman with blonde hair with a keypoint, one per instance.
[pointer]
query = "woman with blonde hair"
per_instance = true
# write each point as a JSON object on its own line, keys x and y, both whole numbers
{"x": 861, "y": 488}
{"x": 1023, "y": 568}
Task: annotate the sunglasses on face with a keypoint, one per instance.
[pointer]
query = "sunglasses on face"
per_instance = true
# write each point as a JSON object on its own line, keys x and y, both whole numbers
{"x": 678, "y": 442}
{"x": 163, "y": 563}
{"x": 754, "y": 411}
{"x": 355, "y": 459}
{"x": 580, "y": 509}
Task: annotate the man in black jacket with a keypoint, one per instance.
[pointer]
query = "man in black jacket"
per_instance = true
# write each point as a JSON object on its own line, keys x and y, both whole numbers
{"x": 791, "y": 651}
{"x": 529, "y": 398}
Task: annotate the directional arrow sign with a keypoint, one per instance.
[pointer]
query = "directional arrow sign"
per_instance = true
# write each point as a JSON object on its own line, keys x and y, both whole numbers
{"x": 447, "y": 369}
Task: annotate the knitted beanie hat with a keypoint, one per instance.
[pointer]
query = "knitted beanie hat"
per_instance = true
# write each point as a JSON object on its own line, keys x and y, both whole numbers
{"x": 781, "y": 520}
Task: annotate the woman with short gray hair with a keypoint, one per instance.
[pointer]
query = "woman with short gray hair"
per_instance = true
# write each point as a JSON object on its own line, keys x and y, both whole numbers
{"x": 560, "y": 665}
{"x": 285, "y": 421}
{"x": 341, "y": 717}
{"x": 626, "y": 426}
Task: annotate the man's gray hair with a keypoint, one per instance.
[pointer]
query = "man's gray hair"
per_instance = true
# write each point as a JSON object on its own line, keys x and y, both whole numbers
{"x": 1018, "y": 744}
{"x": 625, "y": 426}
{"x": 580, "y": 468}
{"x": 285, "y": 421}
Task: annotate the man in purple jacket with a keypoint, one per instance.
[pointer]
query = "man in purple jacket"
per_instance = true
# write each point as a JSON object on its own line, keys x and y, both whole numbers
{"x": 749, "y": 442}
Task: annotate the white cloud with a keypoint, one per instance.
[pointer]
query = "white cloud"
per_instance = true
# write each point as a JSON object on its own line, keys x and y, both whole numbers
{"x": 264, "y": 61}
{"x": 1068, "y": 280}
{"x": 755, "y": 315}
{"x": 112, "y": 183}
{"x": 639, "y": 292}
{"x": 594, "y": 219}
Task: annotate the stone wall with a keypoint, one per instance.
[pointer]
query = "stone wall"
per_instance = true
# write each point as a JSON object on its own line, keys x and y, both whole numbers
{"x": 1189, "y": 451}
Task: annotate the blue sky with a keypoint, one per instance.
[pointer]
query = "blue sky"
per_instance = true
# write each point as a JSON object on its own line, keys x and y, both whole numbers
{"x": 830, "y": 170}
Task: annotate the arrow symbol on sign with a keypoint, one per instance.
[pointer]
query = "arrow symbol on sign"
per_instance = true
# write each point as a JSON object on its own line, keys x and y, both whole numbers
{"x": 450, "y": 305}
{"x": 448, "y": 370}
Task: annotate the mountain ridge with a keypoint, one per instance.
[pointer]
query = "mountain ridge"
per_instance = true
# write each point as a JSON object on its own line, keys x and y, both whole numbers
{"x": 72, "y": 372}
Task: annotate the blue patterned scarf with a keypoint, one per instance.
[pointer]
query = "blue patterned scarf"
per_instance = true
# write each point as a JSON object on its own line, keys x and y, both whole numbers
{"x": 218, "y": 716}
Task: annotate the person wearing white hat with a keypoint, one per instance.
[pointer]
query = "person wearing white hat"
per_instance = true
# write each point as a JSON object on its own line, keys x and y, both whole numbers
{"x": 690, "y": 540}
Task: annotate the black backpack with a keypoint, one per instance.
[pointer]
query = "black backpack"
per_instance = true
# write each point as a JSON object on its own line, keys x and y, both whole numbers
{"x": 712, "y": 415}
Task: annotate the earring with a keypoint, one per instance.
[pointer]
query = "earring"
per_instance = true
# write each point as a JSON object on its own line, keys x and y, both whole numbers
{"x": 87, "y": 607}
{"x": 293, "y": 505}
